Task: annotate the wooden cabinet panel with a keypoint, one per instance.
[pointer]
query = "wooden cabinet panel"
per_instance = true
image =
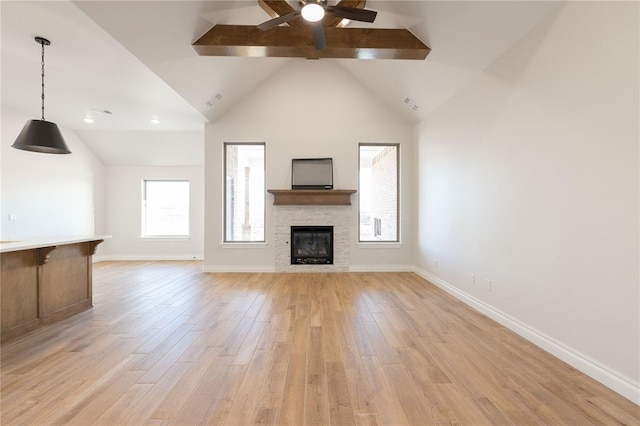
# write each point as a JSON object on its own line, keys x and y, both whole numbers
{"x": 19, "y": 280}
{"x": 43, "y": 285}
{"x": 64, "y": 279}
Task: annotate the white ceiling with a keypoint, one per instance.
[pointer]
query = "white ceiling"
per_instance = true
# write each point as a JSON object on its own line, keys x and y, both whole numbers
{"x": 135, "y": 59}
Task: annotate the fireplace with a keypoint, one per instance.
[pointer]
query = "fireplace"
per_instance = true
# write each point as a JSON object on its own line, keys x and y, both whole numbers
{"x": 312, "y": 245}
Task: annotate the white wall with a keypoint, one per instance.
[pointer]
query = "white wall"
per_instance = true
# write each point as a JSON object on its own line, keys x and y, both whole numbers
{"x": 123, "y": 207}
{"x": 309, "y": 109}
{"x": 529, "y": 177}
{"x": 51, "y": 195}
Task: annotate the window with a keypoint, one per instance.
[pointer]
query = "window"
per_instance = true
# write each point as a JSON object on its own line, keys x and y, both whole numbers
{"x": 378, "y": 192}
{"x": 244, "y": 193}
{"x": 165, "y": 208}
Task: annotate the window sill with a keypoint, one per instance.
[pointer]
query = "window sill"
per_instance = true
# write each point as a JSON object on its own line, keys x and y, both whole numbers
{"x": 379, "y": 245}
{"x": 165, "y": 238}
{"x": 242, "y": 245}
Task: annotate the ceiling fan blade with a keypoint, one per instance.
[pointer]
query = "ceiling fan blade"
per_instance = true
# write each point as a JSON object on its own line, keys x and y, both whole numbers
{"x": 363, "y": 15}
{"x": 267, "y": 25}
{"x": 319, "y": 40}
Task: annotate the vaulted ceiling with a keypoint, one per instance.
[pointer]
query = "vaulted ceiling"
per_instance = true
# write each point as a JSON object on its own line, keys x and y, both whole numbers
{"x": 136, "y": 59}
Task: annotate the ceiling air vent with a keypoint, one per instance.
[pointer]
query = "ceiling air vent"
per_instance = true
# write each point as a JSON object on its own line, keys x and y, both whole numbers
{"x": 409, "y": 103}
{"x": 214, "y": 100}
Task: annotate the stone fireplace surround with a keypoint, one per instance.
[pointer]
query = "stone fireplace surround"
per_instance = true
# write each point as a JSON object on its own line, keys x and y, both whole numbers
{"x": 309, "y": 214}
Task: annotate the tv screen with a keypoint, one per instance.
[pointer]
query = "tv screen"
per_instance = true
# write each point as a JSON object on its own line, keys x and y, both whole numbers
{"x": 312, "y": 173}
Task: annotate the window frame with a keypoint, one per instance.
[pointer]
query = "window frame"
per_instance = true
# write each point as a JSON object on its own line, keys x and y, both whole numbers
{"x": 143, "y": 225}
{"x": 225, "y": 240}
{"x": 398, "y": 187}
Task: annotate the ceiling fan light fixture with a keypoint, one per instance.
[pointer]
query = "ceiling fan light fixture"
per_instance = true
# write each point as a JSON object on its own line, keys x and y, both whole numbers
{"x": 312, "y": 12}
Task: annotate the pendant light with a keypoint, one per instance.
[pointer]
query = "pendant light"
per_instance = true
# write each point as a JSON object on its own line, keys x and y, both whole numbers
{"x": 40, "y": 135}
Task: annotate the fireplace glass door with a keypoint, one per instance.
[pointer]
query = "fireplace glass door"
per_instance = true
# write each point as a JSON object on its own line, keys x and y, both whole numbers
{"x": 312, "y": 245}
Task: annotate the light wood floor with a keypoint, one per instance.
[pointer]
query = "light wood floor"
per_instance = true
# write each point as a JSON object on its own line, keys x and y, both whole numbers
{"x": 168, "y": 344}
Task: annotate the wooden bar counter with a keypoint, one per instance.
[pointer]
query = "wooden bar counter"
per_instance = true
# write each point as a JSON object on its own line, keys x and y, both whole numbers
{"x": 44, "y": 281}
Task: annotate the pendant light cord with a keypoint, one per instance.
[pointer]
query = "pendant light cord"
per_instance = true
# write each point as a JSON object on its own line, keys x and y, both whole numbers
{"x": 42, "y": 43}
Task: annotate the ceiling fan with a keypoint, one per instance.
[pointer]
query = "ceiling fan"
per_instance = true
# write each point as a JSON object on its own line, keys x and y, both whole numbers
{"x": 313, "y": 11}
{"x": 329, "y": 37}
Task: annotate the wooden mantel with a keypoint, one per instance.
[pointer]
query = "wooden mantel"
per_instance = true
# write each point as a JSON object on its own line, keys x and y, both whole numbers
{"x": 312, "y": 197}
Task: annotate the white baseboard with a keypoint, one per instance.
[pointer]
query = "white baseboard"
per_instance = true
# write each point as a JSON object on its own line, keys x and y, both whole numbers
{"x": 109, "y": 257}
{"x": 613, "y": 380}
{"x": 238, "y": 268}
{"x": 381, "y": 268}
{"x": 266, "y": 268}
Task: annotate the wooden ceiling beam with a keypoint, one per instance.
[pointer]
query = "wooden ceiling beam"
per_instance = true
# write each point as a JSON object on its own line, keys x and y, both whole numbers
{"x": 276, "y": 8}
{"x": 297, "y": 42}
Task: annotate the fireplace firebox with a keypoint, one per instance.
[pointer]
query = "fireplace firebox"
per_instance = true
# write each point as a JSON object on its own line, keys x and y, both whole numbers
{"x": 312, "y": 245}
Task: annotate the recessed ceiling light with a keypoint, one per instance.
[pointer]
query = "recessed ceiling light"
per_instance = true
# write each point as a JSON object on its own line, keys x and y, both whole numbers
{"x": 88, "y": 120}
{"x": 155, "y": 121}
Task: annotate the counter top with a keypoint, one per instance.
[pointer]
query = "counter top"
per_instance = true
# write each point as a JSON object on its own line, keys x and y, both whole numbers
{"x": 33, "y": 243}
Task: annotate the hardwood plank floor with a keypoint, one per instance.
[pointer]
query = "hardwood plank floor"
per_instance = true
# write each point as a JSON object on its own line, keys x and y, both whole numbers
{"x": 168, "y": 344}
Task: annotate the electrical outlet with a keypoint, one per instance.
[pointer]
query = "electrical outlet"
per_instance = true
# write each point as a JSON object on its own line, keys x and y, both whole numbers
{"x": 487, "y": 285}
{"x": 382, "y": 254}
{"x": 472, "y": 278}
{"x": 13, "y": 217}
{"x": 436, "y": 263}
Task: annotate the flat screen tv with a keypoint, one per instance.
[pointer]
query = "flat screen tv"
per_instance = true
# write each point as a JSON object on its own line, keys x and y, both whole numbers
{"x": 312, "y": 173}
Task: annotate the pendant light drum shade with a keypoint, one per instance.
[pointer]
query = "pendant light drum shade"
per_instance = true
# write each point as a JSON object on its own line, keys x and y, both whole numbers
{"x": 41, "y": 135}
